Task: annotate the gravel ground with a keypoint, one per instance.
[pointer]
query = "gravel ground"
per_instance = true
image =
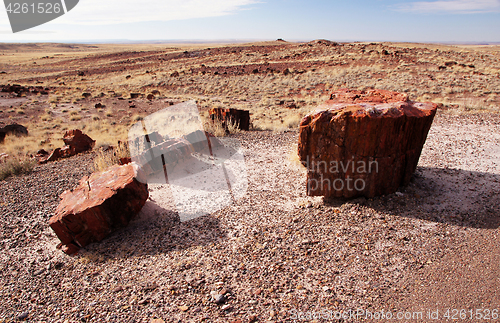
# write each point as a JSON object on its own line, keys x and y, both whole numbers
{"x": 276, "y": 251}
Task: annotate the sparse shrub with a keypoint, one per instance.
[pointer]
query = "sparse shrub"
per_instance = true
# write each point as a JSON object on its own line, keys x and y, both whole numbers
{"x": 105, "y": 159}
{"x": 14, "y": 166}
{"x": 233, "y": 126}
{"x": 292, "y": 122}
{"x": 214, "y": 127}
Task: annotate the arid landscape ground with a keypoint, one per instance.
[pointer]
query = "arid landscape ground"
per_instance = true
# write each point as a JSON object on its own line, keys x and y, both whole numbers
{"x": 433, "y": 246}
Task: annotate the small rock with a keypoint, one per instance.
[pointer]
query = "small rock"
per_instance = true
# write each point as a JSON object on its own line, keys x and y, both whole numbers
{"x": 226, "y": 307}
{"x": 399, "y": 194}
{"x": 38, "y": 272}
{"x": 143, "y": 301}
{"x": 22, "y": 316}
{"x": 117, "y": 289}
{"x": 217, "y": 298}
{"x": 183, "y": 308}
{"x": 157, "y": 321}
{"x": 252, "y": 318}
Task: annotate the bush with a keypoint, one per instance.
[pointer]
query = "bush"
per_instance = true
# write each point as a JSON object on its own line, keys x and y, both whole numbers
{"x": 216, "y": 127}
{"x": 105, "y": 159}
{"x": 14, "y": 166}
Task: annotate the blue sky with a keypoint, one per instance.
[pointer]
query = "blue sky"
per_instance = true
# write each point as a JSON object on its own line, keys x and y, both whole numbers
{"x": 361, "y": 20}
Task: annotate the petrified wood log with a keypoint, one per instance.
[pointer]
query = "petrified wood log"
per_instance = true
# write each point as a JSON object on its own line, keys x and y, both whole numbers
{"x": 98, "y": 205}
{"x": 363, "y": 143}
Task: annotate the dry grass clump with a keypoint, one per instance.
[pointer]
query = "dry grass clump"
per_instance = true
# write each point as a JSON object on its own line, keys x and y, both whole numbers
{"x": 104, "y": 133}
{"x": 216, "y": 127}
{"x": 15, "y": 166}
{"x": 38, "y": 137}
{"x": 106, "y": 159}
{"x": 282, "y": 124}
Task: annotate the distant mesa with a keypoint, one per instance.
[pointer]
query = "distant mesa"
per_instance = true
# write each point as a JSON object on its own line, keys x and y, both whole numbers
{"x": 323, "y": 42}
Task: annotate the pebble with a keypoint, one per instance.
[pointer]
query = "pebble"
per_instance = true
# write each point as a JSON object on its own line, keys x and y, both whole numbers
{"x": 117, "y": 289}
{"x": 148, "y": 249}
{"x": 23, "y": 316}
{"x": 217, "y": 298}
{"x": 183, "y": 308}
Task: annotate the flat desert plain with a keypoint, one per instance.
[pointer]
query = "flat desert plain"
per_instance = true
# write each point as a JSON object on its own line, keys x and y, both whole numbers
{"x": 275, "y": 254}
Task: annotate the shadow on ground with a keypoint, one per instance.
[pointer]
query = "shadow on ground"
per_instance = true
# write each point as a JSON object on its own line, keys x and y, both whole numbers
{"x": 156, "y": 231}
{"x": 443, "y": 195}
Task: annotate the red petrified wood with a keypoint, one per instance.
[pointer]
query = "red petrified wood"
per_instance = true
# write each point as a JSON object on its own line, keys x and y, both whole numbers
{"x": 98, "y": 205}
{"x": 363, "y": 143}
{"x": 77, "y": 141}
{"x": 240, "y": 117}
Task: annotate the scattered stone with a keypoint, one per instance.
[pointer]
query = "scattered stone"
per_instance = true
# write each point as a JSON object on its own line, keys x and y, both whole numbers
{"x": 23, "y": 316}
{"x": 76, "y": 142}
{"x": 98, "y": 205}
{"x": 363, "y": 143}
{"x": 157, "y": 321}
{"x": 98, "y": 105}
{"x": 20, "y": 90}
{"x": 226, "y": 307}
{"x": 117, "y": 289}
{"x": 174, "y": 74}
{"x": 86, "y": 95}
{"x": 217, "y": 298}
{"x": 135, "y": 95}
{"x": 183, "y": 308}
{"x": 241, "y": 118}
{"x": 150, "y": 97}
{"x": 3, "y": 157}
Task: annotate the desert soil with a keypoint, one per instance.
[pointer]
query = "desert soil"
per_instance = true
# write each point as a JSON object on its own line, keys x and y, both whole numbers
{"x": 275, "y": 252}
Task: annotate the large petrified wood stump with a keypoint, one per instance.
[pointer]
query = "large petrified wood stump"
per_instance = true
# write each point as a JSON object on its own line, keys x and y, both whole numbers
{"x": 98, "y": 205}
{"x": 363, "y": 143}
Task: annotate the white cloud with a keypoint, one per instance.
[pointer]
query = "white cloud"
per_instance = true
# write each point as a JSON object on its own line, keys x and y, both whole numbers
{"x": 99, "y": 12}
{"x": 452, "y": 6}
